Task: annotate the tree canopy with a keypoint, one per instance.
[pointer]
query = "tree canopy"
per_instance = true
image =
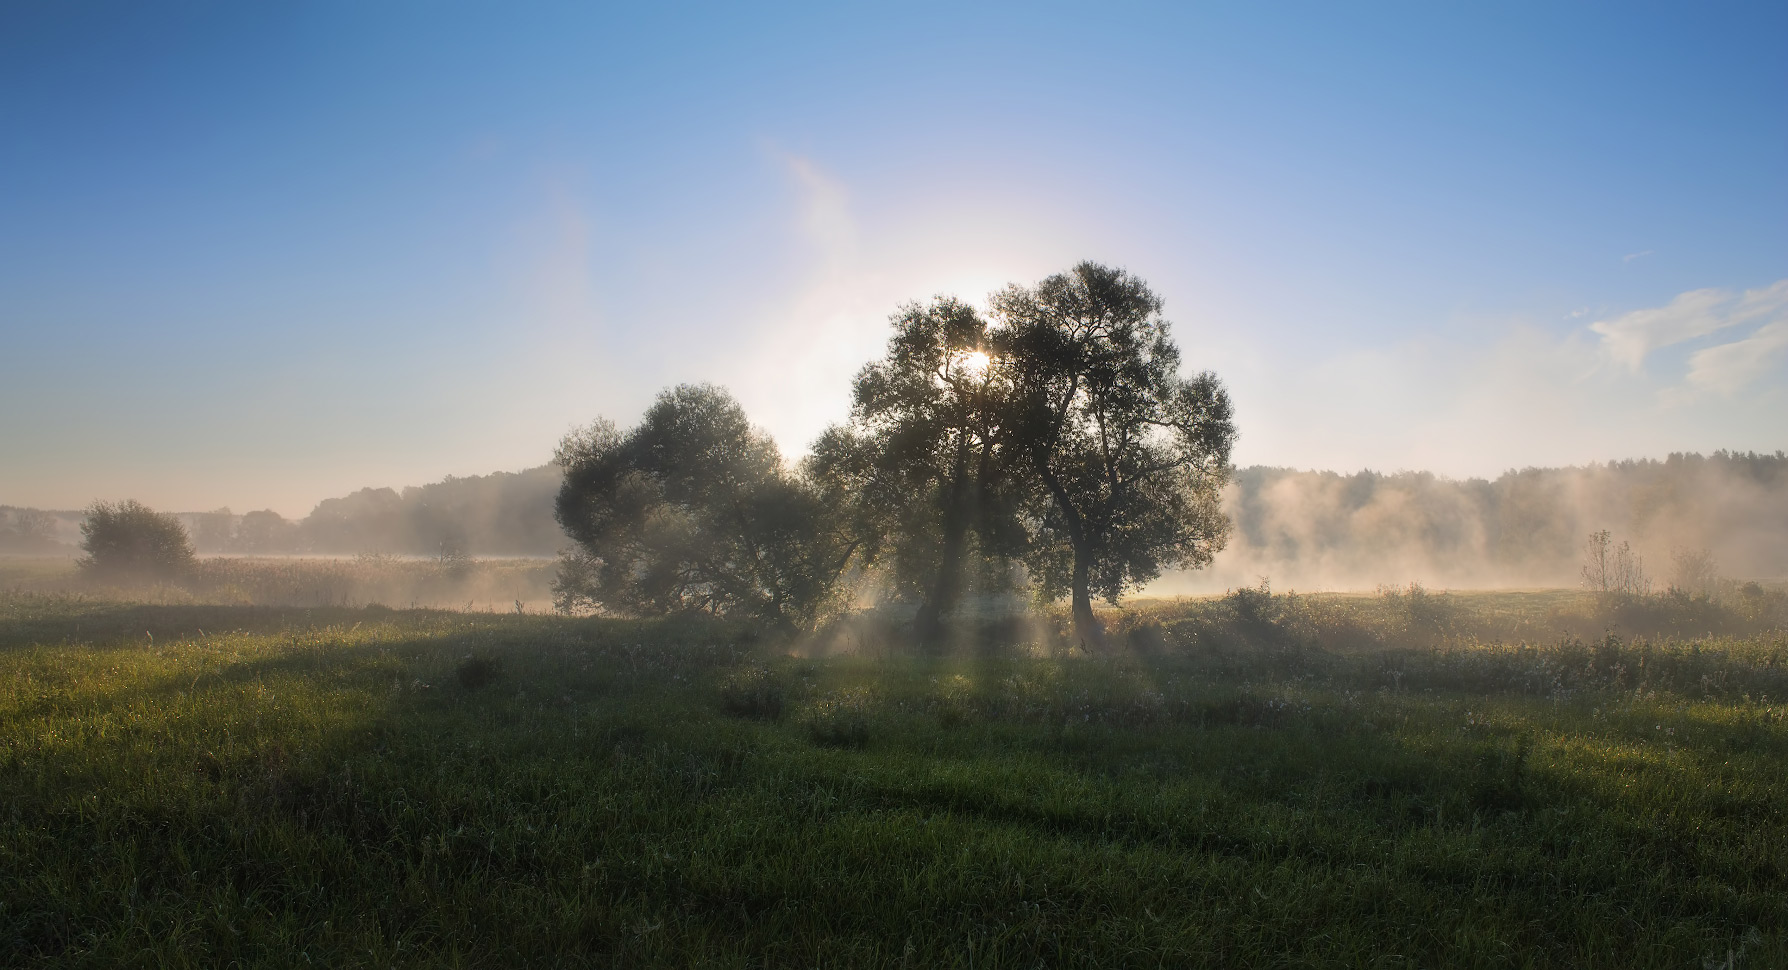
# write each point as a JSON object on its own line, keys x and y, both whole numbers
{"x": 922, "y": 460}
{"x": 1127, "y": 458}
{"x": 1056, "y": 431}
{"x": 692, "y": 510}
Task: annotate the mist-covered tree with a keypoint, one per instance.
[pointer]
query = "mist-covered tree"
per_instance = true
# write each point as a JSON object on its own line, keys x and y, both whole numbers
{"x": 920, "y": 466}
{"x": 1127, "y": 457}
{"x": 213, "y": 531}
{"x": 130, "y": 541}
{"x": 27, "y": 530}
{"x": 693, "y": 510}
{"x": 265, "y": 531}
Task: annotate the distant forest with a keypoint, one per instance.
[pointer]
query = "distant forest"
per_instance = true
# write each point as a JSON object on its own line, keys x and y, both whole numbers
{"x": 1301, "y": 529}
{"x": 1322, "y": 530}
{"x": 501, "y": 514}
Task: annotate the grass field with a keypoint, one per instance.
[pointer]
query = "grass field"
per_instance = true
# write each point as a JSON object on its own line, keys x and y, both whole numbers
{"x": 1260, "y": 780}
{"x": 462, "y": 584}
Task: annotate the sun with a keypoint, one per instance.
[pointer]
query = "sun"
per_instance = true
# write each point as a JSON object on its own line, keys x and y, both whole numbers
{"x": 975, "y": 362}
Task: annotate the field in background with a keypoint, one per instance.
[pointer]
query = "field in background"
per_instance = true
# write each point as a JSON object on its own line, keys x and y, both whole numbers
{"x": 461, "y": 583}
{"x": 1256, "y": 780}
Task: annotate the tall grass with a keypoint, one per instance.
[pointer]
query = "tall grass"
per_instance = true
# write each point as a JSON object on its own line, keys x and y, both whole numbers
{"x": 201, "y": 785}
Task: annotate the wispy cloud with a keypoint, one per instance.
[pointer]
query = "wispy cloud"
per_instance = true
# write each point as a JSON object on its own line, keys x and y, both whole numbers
{"x": 1728, "y": 367}
{"x": 1632, "y": 256}
{"x": 826, "y": 216}
{"x": 1505, "y": 395}
{"x": 1629, "y": 338}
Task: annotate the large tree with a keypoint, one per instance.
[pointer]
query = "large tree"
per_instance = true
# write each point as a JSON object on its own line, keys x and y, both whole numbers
{"x": 1127, "y": 457}
{"x": 921, "y": 463}
{"x": 693, "y": 509}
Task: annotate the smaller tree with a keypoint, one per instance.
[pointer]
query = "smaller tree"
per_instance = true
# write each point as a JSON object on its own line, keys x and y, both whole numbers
{"x": 693, "y": 510}
{"x": 129, "y": 540}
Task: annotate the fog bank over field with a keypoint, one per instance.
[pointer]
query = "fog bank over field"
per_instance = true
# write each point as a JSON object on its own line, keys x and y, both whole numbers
{"x": 1304, "y": 530}
{"x": 1317, "y": 530}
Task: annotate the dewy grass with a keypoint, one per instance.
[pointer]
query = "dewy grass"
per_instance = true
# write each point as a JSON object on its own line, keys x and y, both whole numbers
{"x": 208, "y": 785}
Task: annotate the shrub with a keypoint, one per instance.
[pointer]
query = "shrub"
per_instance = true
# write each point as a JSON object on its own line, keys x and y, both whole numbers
{"x": 1419, "y": 613}
{"x": 129, "y": 540}
{"x": 1253, "y": 605}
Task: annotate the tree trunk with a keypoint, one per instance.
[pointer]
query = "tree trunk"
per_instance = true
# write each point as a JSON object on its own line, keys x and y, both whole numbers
{"x": 1087, "y": 628}
{"x": 946, "y": 589}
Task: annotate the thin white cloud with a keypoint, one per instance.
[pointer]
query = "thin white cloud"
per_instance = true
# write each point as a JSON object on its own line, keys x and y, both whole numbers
{"x": 826, "y": 217}
{"x": 1510, "y": 395}
{"x": 1629, "y": 338}
{"x": 1768, "y": 300}
{"x": 1726, "y": 368}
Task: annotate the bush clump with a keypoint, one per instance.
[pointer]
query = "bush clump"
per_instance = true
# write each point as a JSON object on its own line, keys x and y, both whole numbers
{"x": 131, "y": 541}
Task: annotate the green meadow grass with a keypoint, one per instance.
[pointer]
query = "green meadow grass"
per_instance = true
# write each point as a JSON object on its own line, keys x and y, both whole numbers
{"x": 208, "y": 786}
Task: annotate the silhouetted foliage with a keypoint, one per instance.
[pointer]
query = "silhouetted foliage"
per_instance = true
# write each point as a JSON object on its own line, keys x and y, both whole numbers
{"x": 921, "y": 467}
{"x": 130, "y": 541}
{"x": 692, "y": 510}
{"x": 1128, "y": 459}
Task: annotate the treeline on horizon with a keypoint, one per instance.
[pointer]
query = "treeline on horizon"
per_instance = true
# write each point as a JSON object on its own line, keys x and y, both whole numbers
{"x": 1301, "y": 529}
{"x": 500, "y": 514}
{"x": 1323, "y": 530}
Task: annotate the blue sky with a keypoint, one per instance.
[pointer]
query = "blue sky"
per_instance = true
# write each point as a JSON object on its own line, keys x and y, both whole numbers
{"x": 257, "y": 255}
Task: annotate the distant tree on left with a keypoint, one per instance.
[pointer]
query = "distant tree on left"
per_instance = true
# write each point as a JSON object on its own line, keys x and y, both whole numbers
{"x": 129, "y": 540}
